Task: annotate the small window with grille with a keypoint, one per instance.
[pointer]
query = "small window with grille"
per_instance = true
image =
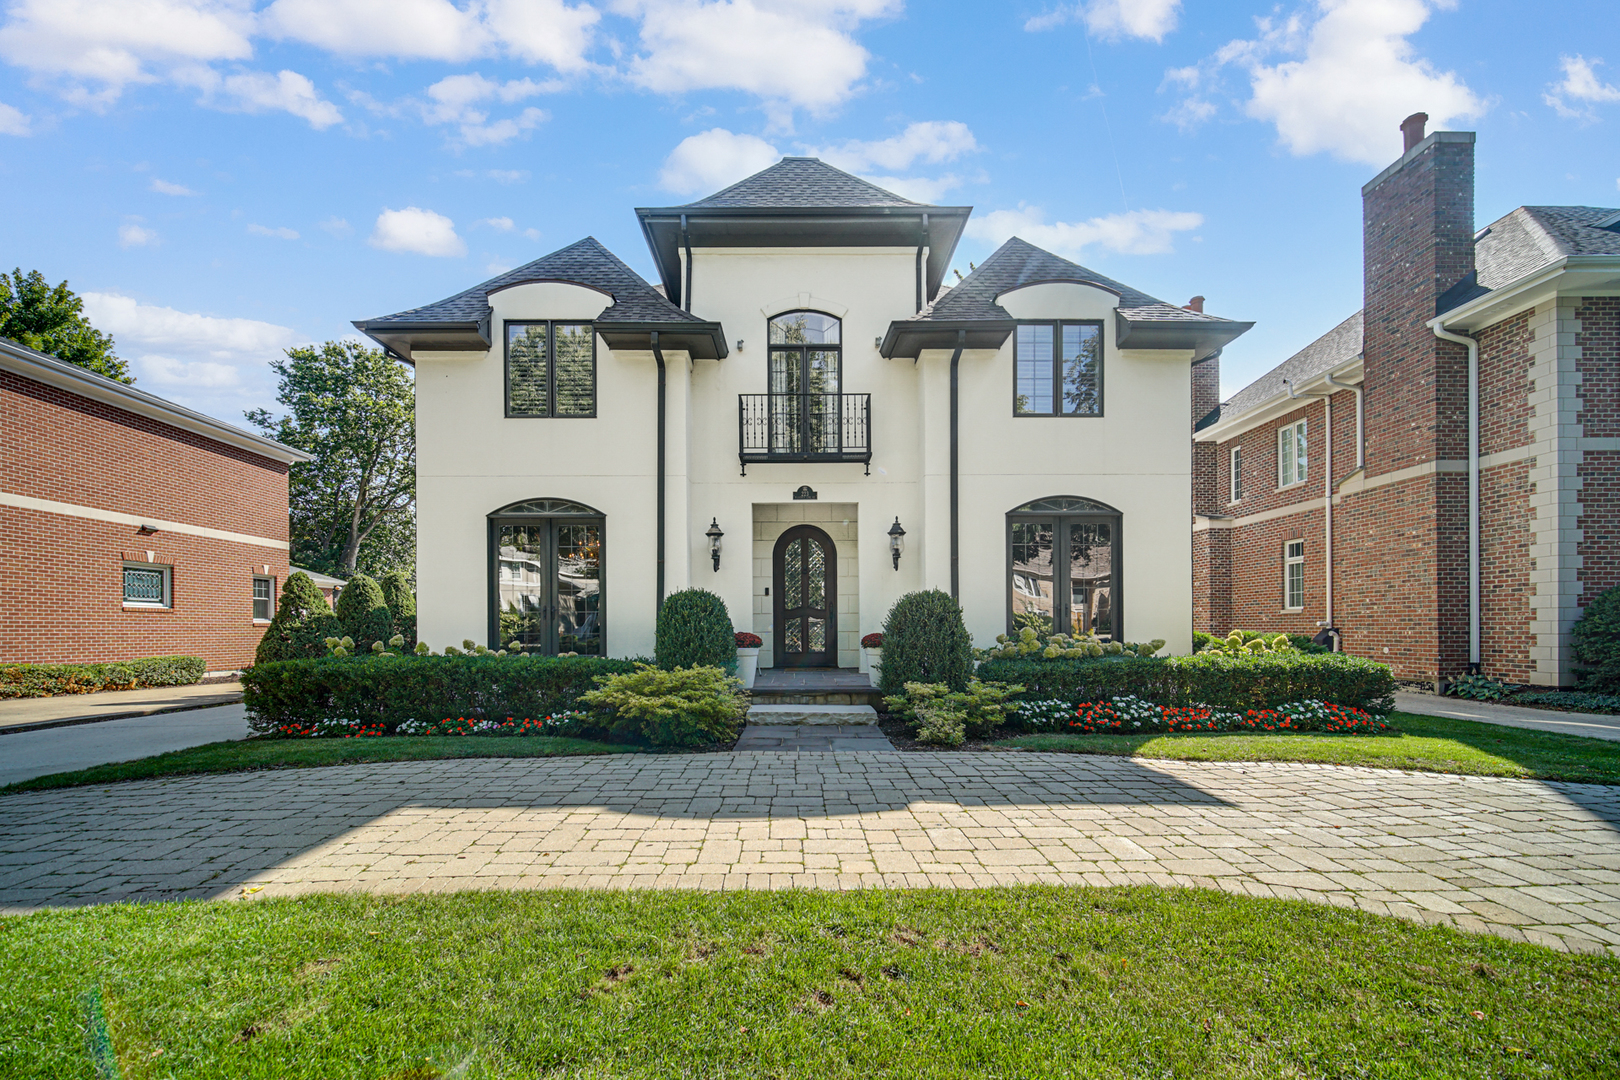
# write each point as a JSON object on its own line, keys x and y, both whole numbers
{"x": 146, "y": 585}
{"x": 1294, "y": 575}
{"x": 264, "y": 591}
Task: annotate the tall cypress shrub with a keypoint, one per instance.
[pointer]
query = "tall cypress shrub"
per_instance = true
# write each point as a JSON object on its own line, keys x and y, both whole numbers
{"x": 302, "y": 623}
{"x": 926, "y": 641}
{"x": 364, "y": 613}
{"x": 401, "y": 600}
{"x": 694, "y": 630}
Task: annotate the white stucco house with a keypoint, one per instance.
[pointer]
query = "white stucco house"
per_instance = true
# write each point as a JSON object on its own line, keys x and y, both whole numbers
{"x": 800, "y": 388}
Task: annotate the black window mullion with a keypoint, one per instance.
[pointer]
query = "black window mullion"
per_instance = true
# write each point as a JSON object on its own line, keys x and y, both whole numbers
{"x": 1057, "y": 369}
{"x": 551, "y": 371}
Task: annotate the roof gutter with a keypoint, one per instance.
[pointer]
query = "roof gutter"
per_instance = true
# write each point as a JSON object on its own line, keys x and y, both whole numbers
{"x": 1529, "y": 283}
{"x": 1473, "y": 488}
{"x": 956, "y": 501}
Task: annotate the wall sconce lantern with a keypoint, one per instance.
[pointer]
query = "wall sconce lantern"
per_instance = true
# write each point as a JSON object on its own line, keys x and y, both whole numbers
{"x": 714, "y": 534}
{"x": 897, "y": 541}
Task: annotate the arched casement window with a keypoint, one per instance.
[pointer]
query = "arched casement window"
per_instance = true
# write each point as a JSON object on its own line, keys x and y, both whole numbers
{"x": 1063, "y": 567}
{"x": 547, "y": 578}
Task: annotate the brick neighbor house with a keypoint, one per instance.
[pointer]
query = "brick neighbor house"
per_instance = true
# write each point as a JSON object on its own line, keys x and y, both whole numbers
{"x": 132, "y": 526}
{"x": 1436, "y": 476}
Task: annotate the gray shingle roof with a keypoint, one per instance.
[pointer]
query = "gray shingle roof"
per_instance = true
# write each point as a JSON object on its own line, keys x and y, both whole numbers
{"x": 802, "y": 181}
{"x": 1017, "y": 263}
{"x": 1533, "y": 236}
{"x": 586, "y": 262}
{"x": 1335, "y": 348}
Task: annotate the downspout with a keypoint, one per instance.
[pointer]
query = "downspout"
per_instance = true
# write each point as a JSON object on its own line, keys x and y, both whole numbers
{"x": 658, "y": 358}
{"x": 956, "y": 559}
{"x": 1361, "y": 441}
{"x": 922, "y": 244}
{"x": 1327, "y": 498}
{"x": 686, "y": 290}
{"x": 1473, "y": 489}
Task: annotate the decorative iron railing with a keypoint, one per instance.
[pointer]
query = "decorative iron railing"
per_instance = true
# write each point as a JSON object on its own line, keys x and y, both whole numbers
{"x": 804, "y": 427}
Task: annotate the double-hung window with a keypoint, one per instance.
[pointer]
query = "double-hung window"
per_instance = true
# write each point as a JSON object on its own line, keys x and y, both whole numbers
{"x": 1294, "y": 575}
{"x": 550, "y": 369}
{"x": 1291, "y": 454}
{"x": 1237, "y": 473}
{"x": 147, "y": 585}
{"x": 1057, "y": 369}
{"x": 264, "y": 589}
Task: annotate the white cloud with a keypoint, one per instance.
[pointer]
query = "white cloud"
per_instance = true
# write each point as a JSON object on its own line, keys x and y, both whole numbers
{"x": 402, "y": 29}
{"x": 500, "y": 224}
{"x": 931, "y": 141}
{"x": 795, "y": 53}
{"x": 1137, "y": 232}
{"x": 417, "y": 231}
{"x": 281, "y": 233}
{"x": 260, "y": 91}
{"x": 714, "y": 159}
{"x": 167, "y": 371}
{"x": 163, "y": 187}
{"x": 454, "y": 100}
{"x": 918, "y": 188}
{"x": 1581, "y": 82}
{"x": 337, "y": 227}
{"x": 544, "y": 31}
{"x": 131, "y": 235}
{"x": 1353, "y": 77}
{"x": 508, "y": 176}
{"x": 13, "y": 121}
{"x": 1113, "y": 19}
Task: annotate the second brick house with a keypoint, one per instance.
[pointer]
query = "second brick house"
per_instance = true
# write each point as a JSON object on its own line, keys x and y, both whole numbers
{"x": 1436, "y": 476}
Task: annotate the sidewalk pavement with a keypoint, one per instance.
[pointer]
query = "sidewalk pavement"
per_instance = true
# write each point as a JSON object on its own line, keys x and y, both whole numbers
{"x": 26, "y": 754}
{"x": 34, "y": 713}
{"x": 1592, "y": 725}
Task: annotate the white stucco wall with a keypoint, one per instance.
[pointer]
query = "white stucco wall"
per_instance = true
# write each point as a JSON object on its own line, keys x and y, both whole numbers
{"x": 472, "y": 460}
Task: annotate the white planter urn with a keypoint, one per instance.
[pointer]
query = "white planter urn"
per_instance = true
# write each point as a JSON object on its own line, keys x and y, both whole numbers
{"x": 874, "y": 664}
{"x": 747, "y": 666}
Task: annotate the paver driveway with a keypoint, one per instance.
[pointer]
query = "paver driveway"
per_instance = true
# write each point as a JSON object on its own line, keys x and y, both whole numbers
{"x": 1518, "y": 858}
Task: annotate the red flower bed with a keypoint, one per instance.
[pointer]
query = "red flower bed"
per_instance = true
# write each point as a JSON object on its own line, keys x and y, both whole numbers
{"x": 1129, "y": 716}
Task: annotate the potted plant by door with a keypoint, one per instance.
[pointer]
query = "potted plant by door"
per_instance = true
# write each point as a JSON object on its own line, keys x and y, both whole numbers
{"x": 872, "y": 649}
{"x": 748, "y": 657}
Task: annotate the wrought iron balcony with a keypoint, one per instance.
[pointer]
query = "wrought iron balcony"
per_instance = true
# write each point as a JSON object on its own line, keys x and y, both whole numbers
{"x": 804, "y": 427}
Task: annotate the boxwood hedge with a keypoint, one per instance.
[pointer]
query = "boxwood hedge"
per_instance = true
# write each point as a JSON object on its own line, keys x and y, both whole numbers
{"x": 50, "y": 680}
{"x": 389, "y": 689}
{"x": 1220, "y": 681}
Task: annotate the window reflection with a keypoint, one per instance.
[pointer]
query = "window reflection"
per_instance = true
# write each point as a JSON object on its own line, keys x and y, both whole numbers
{"x": 1032, "y": 591}
{"x": 549, "y": 587}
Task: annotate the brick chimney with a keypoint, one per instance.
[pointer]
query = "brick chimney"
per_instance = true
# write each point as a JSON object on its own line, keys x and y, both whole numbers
{"x": 1196, "y": 304}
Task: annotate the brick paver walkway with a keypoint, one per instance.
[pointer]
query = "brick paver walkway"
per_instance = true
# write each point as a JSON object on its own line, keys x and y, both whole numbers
{"x": 1517, "y": 858}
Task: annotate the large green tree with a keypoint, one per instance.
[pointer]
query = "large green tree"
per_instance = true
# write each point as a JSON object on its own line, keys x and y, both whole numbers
{"x": 51, "y": 319}
{"x": 353, "y": 506}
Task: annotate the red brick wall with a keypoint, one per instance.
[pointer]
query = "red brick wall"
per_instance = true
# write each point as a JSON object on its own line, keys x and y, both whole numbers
{"x": 1599, "y": 546}
{"x": 1504, "y": 385}
{"x": 63, "y": 575}
{"x": 1504, "y": 572}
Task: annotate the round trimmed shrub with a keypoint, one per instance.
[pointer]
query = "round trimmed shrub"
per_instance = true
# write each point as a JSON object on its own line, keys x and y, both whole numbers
{"x": 400, "y": 597}
{"x": 926, "y": 641}
{"x": 302, "y": 623}
{"x": 694, "y": 630}
{"x": 1597, "y": 642}
{"x": 364, "y": 613}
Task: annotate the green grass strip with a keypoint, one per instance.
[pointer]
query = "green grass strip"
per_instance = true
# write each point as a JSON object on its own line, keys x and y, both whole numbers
{"x": 1429, "y": 743}
{"x": 241, "y": 756}
{"x": 1018, "y": 982}
{"x": 98, "y": 1043}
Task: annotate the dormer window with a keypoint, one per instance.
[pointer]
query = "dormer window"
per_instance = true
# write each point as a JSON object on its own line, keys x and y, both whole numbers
{"x": 1057, "y": 369}
{"x": 550, "y": 369}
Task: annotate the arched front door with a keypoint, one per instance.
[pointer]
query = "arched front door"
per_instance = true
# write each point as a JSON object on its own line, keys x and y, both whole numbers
{"x": 804, "y": 572}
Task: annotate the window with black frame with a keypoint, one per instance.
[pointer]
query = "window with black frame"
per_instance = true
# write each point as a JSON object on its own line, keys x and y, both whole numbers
{"x": 546, "y": 578}
{"x": 1063, "y": 569}
{"x": 806, "y": 368}
{"x": 1057, "y": 369}
{"x": 550, "y": 369}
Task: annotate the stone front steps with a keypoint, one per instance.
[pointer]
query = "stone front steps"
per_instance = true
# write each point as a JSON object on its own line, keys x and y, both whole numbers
{"x": 782, "y": 713}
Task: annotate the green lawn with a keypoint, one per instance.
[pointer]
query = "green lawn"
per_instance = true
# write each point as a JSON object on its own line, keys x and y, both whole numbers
{"x": 1432, "y": 743}
{"x": 300, "y": 753}
{"x": 1027, "y": 982}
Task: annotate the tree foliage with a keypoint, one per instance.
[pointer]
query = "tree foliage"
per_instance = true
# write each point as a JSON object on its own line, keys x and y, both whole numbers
{"x": 353, "y": 506}
{"x": 364, "y": 613}
{"x": 51, "y": 320}
{"x": 302, "y": 623}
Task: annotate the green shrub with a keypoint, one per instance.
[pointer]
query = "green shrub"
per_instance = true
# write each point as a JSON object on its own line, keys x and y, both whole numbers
{"x": 1574, "y": 700}
{"x": 52, "y": 680}
{"x": 391, "y": 689}
{"x": 400, "y": 596}
{"x": 1478, "y": 688}
{"x": 363, "y": 612}
{"x": 925, "y": 641}
{"x": 694, "y": 630}
{"x": 1030, "y": 643}
{"x": 1218, "y": 680}
{"x": 303, "y": 621}
{"x": 1597, "y": 642}
{"x": 935, "y": 707}
{"x": 690, "y": 706}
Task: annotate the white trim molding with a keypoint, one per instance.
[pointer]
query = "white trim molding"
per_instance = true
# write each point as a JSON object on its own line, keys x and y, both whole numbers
{"x": 51, "y": 506}
{"x": 1555, "y": 497}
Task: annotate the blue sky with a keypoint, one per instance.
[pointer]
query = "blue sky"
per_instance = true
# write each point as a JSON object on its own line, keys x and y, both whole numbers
{"x": 224, "y": 178}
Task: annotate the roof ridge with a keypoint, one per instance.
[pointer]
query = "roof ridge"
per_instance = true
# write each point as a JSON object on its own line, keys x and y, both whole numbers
{"x": 775, "y": 185}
